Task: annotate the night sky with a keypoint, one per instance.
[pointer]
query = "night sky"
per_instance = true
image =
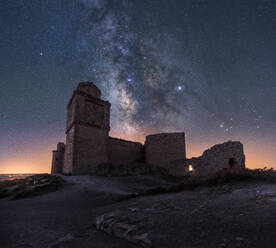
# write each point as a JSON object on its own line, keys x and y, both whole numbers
{"x": 206, "y": 67}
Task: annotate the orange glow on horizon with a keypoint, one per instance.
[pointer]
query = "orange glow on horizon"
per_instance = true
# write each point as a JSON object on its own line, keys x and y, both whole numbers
{"x": 38, "y": 159}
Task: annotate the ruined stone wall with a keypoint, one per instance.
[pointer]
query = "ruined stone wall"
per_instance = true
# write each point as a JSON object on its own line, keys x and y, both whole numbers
{"x": 162, "y": 149}
{"x": 125, "y": 152}
{"x": 88, "y": 143}
{"x": 58, "y": 158}
{"x": 219, "y": 157}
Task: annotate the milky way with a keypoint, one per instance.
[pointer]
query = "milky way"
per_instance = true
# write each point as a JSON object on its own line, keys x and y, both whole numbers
{"x": 140, "y": 57}
{"x": 135, "y": 62}
{"x": 203, "y": 67}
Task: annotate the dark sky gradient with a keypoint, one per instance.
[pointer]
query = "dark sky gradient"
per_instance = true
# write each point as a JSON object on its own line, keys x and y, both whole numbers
{"x": 206, "y": 67}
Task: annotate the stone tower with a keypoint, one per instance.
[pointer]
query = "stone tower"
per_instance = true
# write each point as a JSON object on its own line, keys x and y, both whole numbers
{"x": 87, "y": 130}
{"x": 58, "y": 158}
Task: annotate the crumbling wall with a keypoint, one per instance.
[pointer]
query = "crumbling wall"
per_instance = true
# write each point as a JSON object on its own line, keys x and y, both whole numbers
{"x": 58, "y": 159}
{"x": 162, "y": 149}
{"x": 219, "y": 157}
{"x": 124, "y": 151}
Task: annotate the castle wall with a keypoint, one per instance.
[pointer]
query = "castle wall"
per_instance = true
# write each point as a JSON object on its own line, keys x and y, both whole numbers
{"x": 69, "y": 151}
{"x": 88, "y": 143}
{"x": 58, "y": 158}
{"x": 91, "y": 149}
{"x": 162, "y": 149}
{"x": 125, "y": 152}
{"x": 219, "y": 157}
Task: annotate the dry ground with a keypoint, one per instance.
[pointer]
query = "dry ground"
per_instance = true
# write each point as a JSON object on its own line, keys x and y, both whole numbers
{"x": 240, "y": 214}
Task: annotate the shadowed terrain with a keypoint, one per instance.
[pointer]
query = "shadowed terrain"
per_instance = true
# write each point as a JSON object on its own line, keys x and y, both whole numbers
{"x": 225, "y": 211}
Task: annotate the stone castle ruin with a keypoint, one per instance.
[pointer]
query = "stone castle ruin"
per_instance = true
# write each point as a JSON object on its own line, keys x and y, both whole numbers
{"x": 88, "y": 144}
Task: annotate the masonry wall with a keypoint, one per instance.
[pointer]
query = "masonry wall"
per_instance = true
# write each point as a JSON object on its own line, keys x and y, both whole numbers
{"x": 88, "y": 143}
{"x": 219, "y": 157}
{"x": 58, "y": 158}
{"x": 69, "y": 151}
{"x": 125, "y": 152}
{"x": 90, "y": 149}
{"x": 162, "y": 149}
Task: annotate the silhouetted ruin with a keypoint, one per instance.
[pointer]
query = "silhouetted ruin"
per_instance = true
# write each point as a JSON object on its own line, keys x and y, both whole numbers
{"x": 88, "y": 143}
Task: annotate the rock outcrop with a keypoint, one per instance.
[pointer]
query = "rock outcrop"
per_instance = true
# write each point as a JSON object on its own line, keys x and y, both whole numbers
{"x": 30, "y": 186}
{"x": 120, "y": 226}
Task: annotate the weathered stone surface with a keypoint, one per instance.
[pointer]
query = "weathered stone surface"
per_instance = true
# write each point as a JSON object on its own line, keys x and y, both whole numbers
{"x": 68, "y": 156}
{"x": 120, "y": 226}
{"x": 58, "y": 159}
{"x": 124, "y": 151}
{"x": 162, "y": 149}
{"x": 219, "y": 157}
{"x": 90, "y": 149}
{"x": 114, "y": 169}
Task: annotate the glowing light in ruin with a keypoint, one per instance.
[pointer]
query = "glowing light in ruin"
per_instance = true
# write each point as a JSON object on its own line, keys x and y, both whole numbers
{"x": 191, "y": 168}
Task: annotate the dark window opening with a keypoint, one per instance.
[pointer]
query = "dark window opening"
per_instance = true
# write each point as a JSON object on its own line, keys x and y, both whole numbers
{"x": 232, "y": 162}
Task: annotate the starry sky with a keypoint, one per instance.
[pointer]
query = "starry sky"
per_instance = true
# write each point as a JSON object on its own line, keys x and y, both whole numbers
{"x": 206, "y": 67}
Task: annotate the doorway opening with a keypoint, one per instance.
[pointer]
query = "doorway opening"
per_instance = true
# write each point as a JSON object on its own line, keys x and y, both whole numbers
{"x": 232, "y": 162}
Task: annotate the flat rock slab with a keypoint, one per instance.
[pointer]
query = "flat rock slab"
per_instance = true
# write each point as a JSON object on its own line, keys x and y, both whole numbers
{"x": 118, "y": 225}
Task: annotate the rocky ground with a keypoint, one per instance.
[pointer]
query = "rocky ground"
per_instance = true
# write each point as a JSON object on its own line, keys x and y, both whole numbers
{"x": 116, "y": 212}
{"x": 30, "y": 186}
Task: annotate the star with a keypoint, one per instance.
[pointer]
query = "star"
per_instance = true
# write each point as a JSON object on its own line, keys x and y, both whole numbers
{"x": 41, "y": 54}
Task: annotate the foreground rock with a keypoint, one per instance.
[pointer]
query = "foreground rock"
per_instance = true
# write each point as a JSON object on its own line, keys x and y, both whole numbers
{"x": 30, "y": 186}
{"x": 118, "y": 225}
